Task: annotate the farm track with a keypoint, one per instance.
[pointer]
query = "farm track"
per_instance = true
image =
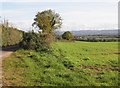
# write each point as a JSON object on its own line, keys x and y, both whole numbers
{"x": 4, "y": 53}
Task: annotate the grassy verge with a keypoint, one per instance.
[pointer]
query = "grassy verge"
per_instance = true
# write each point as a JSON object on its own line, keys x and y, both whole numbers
{"x": 68, "y": 64}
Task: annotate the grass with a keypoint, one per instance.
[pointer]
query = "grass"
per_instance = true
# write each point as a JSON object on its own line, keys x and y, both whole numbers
{"x": 68, "y": 64}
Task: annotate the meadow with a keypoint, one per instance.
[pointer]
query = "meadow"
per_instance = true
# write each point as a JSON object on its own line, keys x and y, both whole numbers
{"x": 68, "y": 64}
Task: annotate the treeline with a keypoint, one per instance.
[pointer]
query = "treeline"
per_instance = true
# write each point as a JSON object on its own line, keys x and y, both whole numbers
{"x": 89, "y": 38}
{"x": 97, "y": 39}
{"x": 9, "y": 35}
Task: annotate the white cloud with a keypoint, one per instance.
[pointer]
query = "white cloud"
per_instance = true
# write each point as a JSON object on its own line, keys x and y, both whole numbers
{"x": 13, "y": 13}
{"x": 22, "y": 24}
{"x": 59, "y": 1}
{"x": 76, "y": 20}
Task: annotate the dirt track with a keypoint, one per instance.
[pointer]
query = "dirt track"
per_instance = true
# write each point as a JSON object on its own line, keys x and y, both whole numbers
{"x": 7, "y": 51}
{"x": 5, "y": 54}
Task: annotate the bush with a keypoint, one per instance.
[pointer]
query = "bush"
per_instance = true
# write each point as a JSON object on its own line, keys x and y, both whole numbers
{"x": 67, "y": 35}
{"x": 36, "y": 41}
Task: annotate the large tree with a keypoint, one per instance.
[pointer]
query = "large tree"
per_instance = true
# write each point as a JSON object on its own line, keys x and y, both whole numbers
{"x": 47, "y": 21}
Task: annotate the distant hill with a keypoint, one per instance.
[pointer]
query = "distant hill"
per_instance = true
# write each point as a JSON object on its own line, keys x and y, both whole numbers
{"x": 91, "y": 32}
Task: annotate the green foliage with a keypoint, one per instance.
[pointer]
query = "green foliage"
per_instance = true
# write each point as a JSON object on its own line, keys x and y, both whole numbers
{"x": 10, "y": 35}
{"x": 68, "y": 64}
{"x": 67, "y": 35}
{"x": 48, "y": 21}
{"x": 97, "y": 38}
{"x": 36, "y": 41}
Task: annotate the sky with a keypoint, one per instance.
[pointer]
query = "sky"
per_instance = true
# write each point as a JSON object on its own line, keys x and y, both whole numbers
{"x": 76, "y": 14}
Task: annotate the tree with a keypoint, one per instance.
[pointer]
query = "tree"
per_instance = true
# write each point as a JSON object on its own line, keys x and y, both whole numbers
{"x": 67, "y": 35}
{"x": 47, "y": 21}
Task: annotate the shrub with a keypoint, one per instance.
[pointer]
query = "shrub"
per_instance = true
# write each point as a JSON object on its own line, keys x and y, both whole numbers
{"x": 36, "y": 41}
{"x": 67, "y": 35}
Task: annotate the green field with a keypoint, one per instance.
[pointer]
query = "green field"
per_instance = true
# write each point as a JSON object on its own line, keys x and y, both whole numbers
{"x": 68, "y": 64}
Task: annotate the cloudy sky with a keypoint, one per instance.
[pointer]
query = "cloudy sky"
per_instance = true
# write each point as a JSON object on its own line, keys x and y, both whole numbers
{"x": 76, "y": 14}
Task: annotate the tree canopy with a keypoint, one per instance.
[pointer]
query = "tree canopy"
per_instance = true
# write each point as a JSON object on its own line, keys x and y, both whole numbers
{"x": 67, "y": 35}
{"x": 47, "y": 21}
